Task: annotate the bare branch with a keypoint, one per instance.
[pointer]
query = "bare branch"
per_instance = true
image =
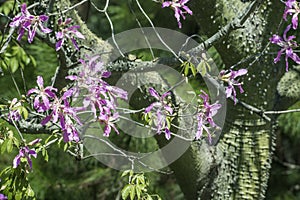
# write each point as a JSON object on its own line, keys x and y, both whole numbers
{"x": 278, "y": 112}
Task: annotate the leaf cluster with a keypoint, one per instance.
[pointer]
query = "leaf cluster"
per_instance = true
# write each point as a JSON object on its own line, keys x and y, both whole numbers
{"x": 137, "y": 187}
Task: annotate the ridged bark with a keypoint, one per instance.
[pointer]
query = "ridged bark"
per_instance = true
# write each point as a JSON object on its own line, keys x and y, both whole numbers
{"x": 248, "y": 141}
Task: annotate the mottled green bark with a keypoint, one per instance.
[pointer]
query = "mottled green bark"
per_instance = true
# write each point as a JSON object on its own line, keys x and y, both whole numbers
{"x": 248, "y": 142}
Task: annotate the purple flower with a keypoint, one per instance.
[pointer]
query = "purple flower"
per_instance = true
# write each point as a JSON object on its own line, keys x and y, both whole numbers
{"x": 162, "y": 111}
{"x": 109, "y": 123}
{"x": 229, "y": 78}
{"x": 14, "y": 113}
{"x": 292, "y": 8}
{"x": 3, "y": 197}
{"x": 41, "y": 101}
{"x": 70, "y": 132}
{"x": 287, "y": 45}
{"x": 101, "y": 97}
{"x": 179, "y": 7}
{"x": 66, "y": 115}
{"x": 65, "y": 32}
{"x": 205, "y": 117}
{"x": 30, "y": 23}
{"x": 25, "y": 152}
{"x": 34, "y": 142}
{"x": 161, "y": 101}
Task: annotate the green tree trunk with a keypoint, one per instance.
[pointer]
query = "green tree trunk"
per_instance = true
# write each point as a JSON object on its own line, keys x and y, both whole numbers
{"x": 240, "y": 163}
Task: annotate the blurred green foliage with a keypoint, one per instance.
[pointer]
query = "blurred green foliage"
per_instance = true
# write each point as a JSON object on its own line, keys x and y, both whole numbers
{"x": 285, "y": 173}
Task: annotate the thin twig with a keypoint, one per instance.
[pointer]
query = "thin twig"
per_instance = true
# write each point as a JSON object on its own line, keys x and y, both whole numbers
{"x": 69, "y": 9}
{"x": 140, "y": 25}
{"x": 157, "y": 34}
{"x": 286, "y": 164}
{"x": 278, "y": 112}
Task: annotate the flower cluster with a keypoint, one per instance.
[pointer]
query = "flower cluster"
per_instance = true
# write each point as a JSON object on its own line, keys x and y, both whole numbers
{"x": 229, "y": 78}
{"x": 41, "y": 101}
{"x": 66, "y": 115}
{"x": 46, "y": 100}
{"x": 287, "y": 44}
{"x": 26, "y": 152}
{"x": 180, "y": 9}
{"x": 162, "y": 110}
{"x": 30, "y": 23}
{"x": 99, "y": 96}
{"x": 67, "y": 32}
{"x": 292, "y": 7}
{"x": 14, "y": 113}
{"x": 205, "y": 117}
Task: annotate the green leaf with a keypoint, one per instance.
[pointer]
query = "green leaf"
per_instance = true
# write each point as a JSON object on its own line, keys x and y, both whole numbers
{"x": 194, "y": 71}
{"x": 43, "y": 151}
{"x": 168, "y": 122}
{"x": 141, "y": 180}
{"x": 149, "y": 197}
{"x": 18, "y": 196}
{"x": 201, "y": 68}
{"x": 24, "y": 112}
{"x": 30, "y": 192}
{"x": 186, "y": 69}
{"x": 5, "y": 63}
{"x": 14, "y": 65}
{"x": 125, "y": 173}
{"x": 16, "y": 142}
{"x": 4, "y": 146}
{"x": 138, "y": 191}
{"x": 3, "y": 107}
{"x": 66, "y": 146}
{"x": 132, "y": 192}
{"x": 208, "y": 66}
{"x": 9, "y": 146}
{"x": 6, "y": 10}
{"x": 125, "y": 191}
{"x": 32, "y": 60}
{"x": 27, "y": 60}
{"x": 46, "y": 157}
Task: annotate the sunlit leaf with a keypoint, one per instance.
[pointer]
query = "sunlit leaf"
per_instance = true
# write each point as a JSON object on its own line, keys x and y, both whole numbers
{"x": 4, "y": 146}
{"x": 14, "y": 65}
{"x": 30, "y": 192}
{"x": 9, "y": 145}
{"x": 126, "y": 191}
{"x": 24, "y": 112}
{"x": 132, "y": 192}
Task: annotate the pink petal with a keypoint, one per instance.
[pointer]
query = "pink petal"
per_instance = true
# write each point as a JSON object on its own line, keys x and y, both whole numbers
{"x": 43, "y": 18}
{"x": 187, "y": 10}
{"x": 40, "y": 81}
{"x": 166, "y": 4}
{"x": 295, "y": 21}
{"x": 16, "y": 161}
{"x": 59, "y": 44}
{"x": 241, "y": 72}
{"x": 154, "y": 93}
{"x": 167, "y": 134}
